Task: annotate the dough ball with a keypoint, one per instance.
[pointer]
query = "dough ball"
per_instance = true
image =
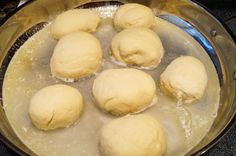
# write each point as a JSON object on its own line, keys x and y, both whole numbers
{"x": 133, "y": 135}
{"x": 76, "y": 55}
{"x": 55, "y": 106}
{"x": 137, "y": 46}
{"x": 133, "y": 15}
{"x": 74, "y": 20}
{"x": 123, "y": 91}
{"x": 185, "y": 78}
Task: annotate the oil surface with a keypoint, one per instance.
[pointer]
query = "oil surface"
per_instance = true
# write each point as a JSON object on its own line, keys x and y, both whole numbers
{"x": 29, "y": 71}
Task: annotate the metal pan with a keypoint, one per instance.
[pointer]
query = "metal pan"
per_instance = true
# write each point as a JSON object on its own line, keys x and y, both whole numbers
{"x": 187, "y": 15}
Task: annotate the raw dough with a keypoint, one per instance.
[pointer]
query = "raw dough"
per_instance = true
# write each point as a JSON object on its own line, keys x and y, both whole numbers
{"x": 76, "y": 55}
{"x": 185, "y": 78}
{"x": 55, "y": 106}
{"x": 74, "y": 20}
{"x": 123, "y": 91}
{"x": 133, "y": 135}
{"x": 137, "y": 46}
{"x": 133, "y": 15}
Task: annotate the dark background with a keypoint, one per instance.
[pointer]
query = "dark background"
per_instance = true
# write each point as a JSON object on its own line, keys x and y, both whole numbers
{"x": 225, "y": 11}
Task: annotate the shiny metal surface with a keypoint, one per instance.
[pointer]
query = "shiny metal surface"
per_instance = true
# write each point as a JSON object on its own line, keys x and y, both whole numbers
{"x": 187, "y": 15}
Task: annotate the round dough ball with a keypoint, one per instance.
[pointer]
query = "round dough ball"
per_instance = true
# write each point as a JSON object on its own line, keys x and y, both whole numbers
{"x": 133, "y": 135}
{"x": 76, "y": 55}
{"x": 123, "y": 91}
{"x": 137, "y": 46}
{"x": 185, "y": 78}
{"x": 133, "y": 15}
{"x": 55, "y": 106}
{"x": 74, "y": 20}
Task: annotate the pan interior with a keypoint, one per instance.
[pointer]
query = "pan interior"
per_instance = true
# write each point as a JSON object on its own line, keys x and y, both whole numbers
{"x": 29, "y": 71}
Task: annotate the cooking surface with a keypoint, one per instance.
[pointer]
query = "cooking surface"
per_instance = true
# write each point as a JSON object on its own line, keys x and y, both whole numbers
{"x": 185, "y": 125}
{"x": 227, "y": 145}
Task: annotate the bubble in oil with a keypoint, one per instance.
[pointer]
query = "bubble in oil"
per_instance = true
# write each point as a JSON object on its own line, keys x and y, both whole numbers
{"x": 214, "y": 115}
{"x": 24, "y": 129}
{"x": 185, "y": 118}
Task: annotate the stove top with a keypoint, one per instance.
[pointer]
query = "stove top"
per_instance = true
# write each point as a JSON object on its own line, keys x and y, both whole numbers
{"x": 224, "y": 10}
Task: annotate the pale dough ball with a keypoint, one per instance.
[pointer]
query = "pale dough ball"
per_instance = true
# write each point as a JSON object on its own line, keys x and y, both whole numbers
{"x": 74, "y": 20}
{"x": 123, "y": 91}
{"x": 133, "y": 15}
{"x": 55, "y": 106}
{"x": 76, "y": 55}
{"x": 137, "y": 46}
{"x": 133, "y": 135}
{"x": 185, "y": 78}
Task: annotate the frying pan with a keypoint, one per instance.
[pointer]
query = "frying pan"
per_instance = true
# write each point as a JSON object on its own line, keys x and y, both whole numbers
{"x": 185, "y": 14}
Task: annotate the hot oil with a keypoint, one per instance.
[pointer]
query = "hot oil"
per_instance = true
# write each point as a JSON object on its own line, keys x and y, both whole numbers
{"x": 29, "y": 71}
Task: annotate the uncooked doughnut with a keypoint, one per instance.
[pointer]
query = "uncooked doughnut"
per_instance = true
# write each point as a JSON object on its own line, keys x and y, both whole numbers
{"x": 74, "y": 20}
{"x": 76, "y": 55}
{"x": 133, "y": 135}
{"x": 133, "y": 15}
{"x": 185, "y": 78}
{"x": 123, "y": 91}
{"x": 55, "y": 106}
{"x": 137, "y": 46}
